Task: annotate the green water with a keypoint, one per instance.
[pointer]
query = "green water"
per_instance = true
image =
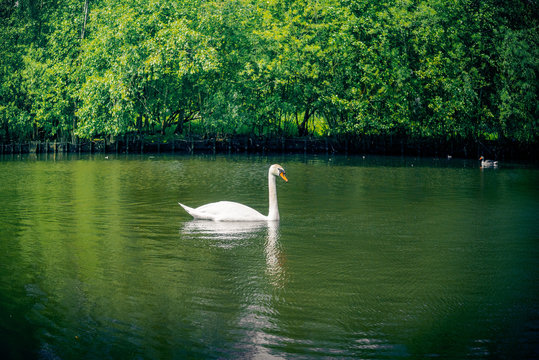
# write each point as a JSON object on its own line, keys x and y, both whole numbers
{"x": 375, "y": 258}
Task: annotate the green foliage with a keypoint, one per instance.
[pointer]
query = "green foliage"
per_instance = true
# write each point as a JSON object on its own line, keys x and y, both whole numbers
{"x": 410, "y": 68}
{"x": 519, "y": 103}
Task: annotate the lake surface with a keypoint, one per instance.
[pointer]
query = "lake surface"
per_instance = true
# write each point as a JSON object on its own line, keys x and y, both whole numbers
{"x": 374, "y": 258}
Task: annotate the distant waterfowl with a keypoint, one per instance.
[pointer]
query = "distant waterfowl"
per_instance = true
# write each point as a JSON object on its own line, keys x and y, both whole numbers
{"x": 488, "y": 163}
{"x": 233, "y": 211}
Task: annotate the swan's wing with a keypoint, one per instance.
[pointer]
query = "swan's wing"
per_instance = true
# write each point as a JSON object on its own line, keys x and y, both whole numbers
{"x": 225, "y": 211}
{"x": 229, "y": 211}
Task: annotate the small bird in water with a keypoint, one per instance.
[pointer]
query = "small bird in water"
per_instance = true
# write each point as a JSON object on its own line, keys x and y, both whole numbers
{"x": 488, "y": 163}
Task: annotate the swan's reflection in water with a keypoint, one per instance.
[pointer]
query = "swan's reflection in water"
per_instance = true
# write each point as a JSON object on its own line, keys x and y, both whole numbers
{"x": 246, "y": 239}
{"x": 274, "y": 255}
{"x": 223, "y": 230}
{"x": 231, "y": 234}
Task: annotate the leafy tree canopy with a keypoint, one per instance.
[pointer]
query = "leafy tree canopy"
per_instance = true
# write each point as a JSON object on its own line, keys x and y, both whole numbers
{"x": 435, "y": 69}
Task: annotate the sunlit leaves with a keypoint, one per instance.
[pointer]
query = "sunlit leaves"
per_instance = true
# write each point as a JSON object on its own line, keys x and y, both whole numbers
{"x": 139, "y": 65}
{"x": 409, "y": 68}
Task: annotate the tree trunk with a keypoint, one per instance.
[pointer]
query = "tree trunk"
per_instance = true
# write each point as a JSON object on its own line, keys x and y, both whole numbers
{"x": 302, "y": 128}
{"x": 85, "y": 19}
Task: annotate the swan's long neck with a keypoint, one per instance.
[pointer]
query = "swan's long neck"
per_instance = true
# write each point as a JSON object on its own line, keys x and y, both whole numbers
{"x": 273, "y": 207}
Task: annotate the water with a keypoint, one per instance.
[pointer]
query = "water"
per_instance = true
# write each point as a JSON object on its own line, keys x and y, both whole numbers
{"x": 376, "y": 258}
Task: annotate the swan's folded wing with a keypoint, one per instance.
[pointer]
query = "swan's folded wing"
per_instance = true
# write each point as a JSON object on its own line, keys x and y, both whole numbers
{"x": 225, "y": 211}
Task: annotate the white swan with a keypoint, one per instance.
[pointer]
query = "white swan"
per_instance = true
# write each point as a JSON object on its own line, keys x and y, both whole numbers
{"x": 233, "y": 211}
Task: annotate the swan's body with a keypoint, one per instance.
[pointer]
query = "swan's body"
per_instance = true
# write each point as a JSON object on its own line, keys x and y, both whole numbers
{"x": 233, "y": 211}
{"x": 488, "y": 163}
{"x": 225, "y": 211}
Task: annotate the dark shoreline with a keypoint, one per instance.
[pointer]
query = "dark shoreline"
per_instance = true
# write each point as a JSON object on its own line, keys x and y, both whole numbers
{"x": 261, "y": 145}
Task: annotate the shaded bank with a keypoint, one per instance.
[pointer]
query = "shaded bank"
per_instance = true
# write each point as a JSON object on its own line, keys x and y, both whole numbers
{"x": 251, "y": 144}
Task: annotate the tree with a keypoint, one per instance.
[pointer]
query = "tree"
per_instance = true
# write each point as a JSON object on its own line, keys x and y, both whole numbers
{"x": 518, "y": 89}
{"x": 140, "y": 68}
{"x": 464, "y": 70}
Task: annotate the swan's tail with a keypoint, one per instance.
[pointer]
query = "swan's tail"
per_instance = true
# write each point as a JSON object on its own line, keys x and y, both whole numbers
{"x": 188, "y": 209}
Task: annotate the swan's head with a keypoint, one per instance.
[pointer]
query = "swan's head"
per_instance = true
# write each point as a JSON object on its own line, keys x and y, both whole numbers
{"x": 481, "y": 158}
{"x": 277, "y": 170}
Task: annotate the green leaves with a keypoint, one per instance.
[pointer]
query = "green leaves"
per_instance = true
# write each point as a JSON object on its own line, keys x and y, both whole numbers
{"x": 518, "y": 95}
{"x": 439, "y": 69}
{"x": 139, "y": 69}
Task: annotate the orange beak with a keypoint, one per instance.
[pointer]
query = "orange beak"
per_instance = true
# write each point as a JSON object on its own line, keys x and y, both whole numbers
{"x": 283, "y": 176}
